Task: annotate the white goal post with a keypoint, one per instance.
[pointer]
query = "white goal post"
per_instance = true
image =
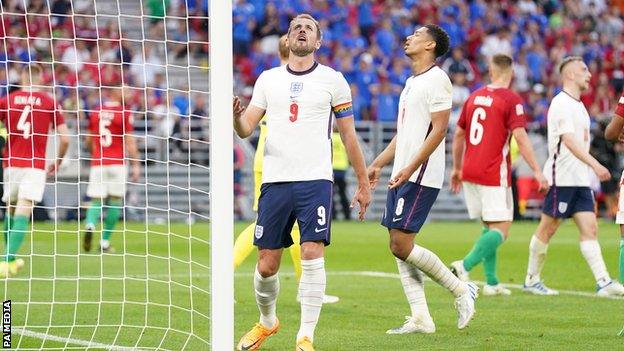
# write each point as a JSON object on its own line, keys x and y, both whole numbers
{"x": 221, "y": 170}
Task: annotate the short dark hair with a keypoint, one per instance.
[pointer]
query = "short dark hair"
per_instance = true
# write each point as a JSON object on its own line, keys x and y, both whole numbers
{"x": 441, "y": 38}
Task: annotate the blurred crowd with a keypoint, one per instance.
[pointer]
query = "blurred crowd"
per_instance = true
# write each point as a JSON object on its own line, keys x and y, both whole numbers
{"x": 364, "y": 40}
{"x": 83, "y": 45}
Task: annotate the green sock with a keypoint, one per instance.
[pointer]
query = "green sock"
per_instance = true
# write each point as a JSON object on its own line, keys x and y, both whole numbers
{"x": 93, "y": 213}
{"x": 112, "y": 217}
{"x": 489, "y": 262}
{"x": 7, "y": 226}
{"x": 622, "y": 261}
{"x": 485, "y": 246}
{"x": 489, "y": 267}
{"x": 473, "y": 254}
{"x": 16, "y": 236}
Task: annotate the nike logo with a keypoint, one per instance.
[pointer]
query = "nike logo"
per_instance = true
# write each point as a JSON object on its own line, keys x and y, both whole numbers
{"x": 397, "y": 219}
{"x": 319, "y": 230}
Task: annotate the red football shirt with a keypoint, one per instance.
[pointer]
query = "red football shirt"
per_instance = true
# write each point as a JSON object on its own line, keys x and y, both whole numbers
{"x": 28, "y": 117}
{"x": 488, "y": 116}
{"x": 108, "y": 126}
{"x": 619, "y": 109}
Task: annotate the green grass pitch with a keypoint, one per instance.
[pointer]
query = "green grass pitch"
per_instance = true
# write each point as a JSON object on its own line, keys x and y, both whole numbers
{"x": 369, "y": 304}
{"x": 152, "y": 313}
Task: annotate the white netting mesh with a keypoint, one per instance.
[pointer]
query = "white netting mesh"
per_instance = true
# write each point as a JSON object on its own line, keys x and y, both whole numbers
{"x": 154, "y": 291}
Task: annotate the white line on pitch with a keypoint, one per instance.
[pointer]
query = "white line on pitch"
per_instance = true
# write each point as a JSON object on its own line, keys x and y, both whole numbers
{"x": 88, "y": 344}
{"x": 396, "y": 276}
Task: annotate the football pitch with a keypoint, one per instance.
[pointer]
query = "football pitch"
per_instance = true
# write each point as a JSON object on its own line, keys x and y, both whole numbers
{"x": 142, "y": 302}
{"x": 155, "y": 289}
{"x": 362, "y": 272}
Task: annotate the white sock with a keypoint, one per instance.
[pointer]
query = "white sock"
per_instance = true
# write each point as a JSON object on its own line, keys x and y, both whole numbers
{"x": 431, "y": 265}
{"x": 537, "y": 257}
{"x": 414, "y": 288}
{"x": 593, "y": 256}
{"x": 311, "y": 292}
{"x": 104, "y": 244}
{"x": 267, "y": 290}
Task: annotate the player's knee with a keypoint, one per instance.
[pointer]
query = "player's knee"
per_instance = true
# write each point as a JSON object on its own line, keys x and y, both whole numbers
{"x": 23, "y": 207}
{"x": 267, "y": 267}
{"x": 546, "y": 231}
{"x": 590, "y": 232}
{"x": 399, "y": 250}
{"x": 312, "y": 250}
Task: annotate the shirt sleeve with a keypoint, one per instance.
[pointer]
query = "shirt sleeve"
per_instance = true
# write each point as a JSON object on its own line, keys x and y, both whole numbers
{"x": 461, "y": 122}
{"x": 561, "y": 121}
{"x": 94, "y": 129}
{"x": 128, "y": 122}
{"x": 3, "y": 109}
{"x": 442, "y": 96}
{"x": 516, "y": 118}
{"x": 258, "y": 98}
{"x": 342, "y": 104}
{"x": 619, "y": 109}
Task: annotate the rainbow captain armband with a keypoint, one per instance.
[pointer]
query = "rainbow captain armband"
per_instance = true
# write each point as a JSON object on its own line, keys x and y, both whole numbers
{"x": 343, "y": 110}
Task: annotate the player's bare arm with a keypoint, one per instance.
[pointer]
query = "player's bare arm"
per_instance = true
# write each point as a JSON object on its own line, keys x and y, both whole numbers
{"x": 362, "y": 196}
{"x": 526, "y": 150}
{"x": 133, "y": 152}
{"x": 439, "y": 124}
{"x": 459, "y": 143}
{"x": 385, "y": 157}
{"x": 63, "y": 133}
{"x": 614, "y": 131}
{"x": 570, "y": 142}
{"x": 245, "y": 119}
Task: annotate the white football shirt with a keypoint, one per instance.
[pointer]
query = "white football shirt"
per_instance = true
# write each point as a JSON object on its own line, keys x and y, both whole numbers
{"x": 566, "y": 115}
{"x": 299, "y": 107}
{"x": 428, "y": 92}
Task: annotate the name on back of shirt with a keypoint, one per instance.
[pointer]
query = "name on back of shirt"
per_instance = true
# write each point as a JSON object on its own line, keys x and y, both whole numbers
{"x": 27, "y": 100}
{"x": 483, "y": 100}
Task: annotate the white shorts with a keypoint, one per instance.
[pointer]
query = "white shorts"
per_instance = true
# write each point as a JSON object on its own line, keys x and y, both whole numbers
{"x": 107, "y": 180}
{"x": 489, "y": 203}
{"x": 21, "y": 183}
{"x": 619, "y": 218}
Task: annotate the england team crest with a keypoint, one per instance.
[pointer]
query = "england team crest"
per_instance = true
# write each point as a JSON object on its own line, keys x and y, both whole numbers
{"x": 563, "y": 206}
{"x": 296, "y": 88}
{"x": 259, "y": 231}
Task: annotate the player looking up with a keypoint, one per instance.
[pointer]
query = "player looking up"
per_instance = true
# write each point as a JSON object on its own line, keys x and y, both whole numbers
{"x": 110, "y": 134}
{"x": 243, "y": 246}
{"x": 481, "y": 160}
{"x": 567, "y": 170}
{"x": 417, "y": 176}
{"x": 28, "y": 113}
{"x": 297, "y": 101}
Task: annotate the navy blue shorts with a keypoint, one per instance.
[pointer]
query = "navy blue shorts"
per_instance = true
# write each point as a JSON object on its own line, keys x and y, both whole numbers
{"x": 280, "y": 204}
{"x": 407, "y": 207}
{"x": 565, "y": 201}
